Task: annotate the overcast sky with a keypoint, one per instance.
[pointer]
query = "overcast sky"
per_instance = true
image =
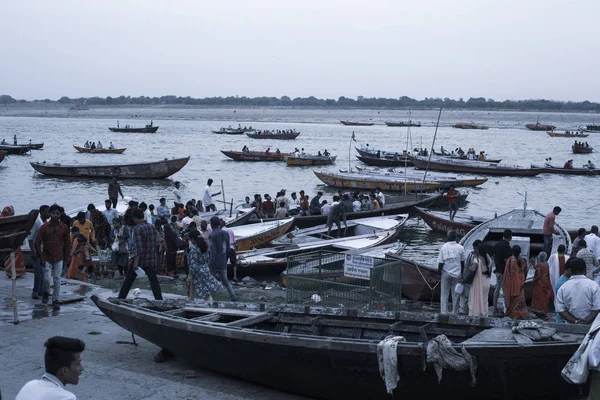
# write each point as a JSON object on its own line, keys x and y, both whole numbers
{"x": 503, "y": 49}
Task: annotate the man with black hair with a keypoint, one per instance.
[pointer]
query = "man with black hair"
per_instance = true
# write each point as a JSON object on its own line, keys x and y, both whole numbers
{"x": 578, "y": 299}
{"x": 575, "y": 247}
{"x": 144, "y": 250}
{"x": 548, "y": 229}
{"x": 63, "y": 366}
{"x": 38, "y": 268}
{"x": 315, "y": 204}
{"x": 52, "y": 246}
{"x": 209, "y": 205}
{"x": 114, "y": 190}
{"x": 219, "y": 253}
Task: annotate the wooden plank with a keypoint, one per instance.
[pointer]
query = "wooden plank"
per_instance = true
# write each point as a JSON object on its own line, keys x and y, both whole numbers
{"x": 251, "y": 320}
{"x": 214, "y": 317}
{"x": 224, "y": 311}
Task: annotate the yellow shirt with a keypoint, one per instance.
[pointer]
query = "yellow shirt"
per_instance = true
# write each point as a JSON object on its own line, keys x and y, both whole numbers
{"x": 86, "y": 229}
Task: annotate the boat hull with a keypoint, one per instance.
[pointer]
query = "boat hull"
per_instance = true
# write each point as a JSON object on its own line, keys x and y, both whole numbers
{"x": 275, "y": 136}
{"x": 568, "y": 171}
{"x": 367, "y": 183}
{"x": 13, "y": 232}
{"x": 540, "y": 127}
{"x": 147, "y": 129}
{"x": 15, "y": 150}
{"x": 254, "y": 155}
{"x": 386, "y": 161}
{"x": 468, "y": 125}
{"x": 99, "y": 151}
{"x": 444, "y": 225}
{"x": 569, "y": 135}
{"x": 294, "y": 161}
{"x": 352, "y": 123}
{"x": 262, "y": 239}
{"x": 581, "y": 149}
{"x": 403, "y": 124}
{"x": 308, "y": 362}
{"x": 473, "y": 168}
{"x": 153, "y": 170}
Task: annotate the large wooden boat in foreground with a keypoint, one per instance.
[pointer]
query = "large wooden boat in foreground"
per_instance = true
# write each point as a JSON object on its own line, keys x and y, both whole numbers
{"x": 151, "y": 170}
{"x": 331, "y": 353}
{"x": 99, "y": 151}
{"x": 254, "y": 155}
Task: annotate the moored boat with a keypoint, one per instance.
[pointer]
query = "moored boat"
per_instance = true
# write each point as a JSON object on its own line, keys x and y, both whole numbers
{"x": 331, "y": 353}
{"x": 464, "y": 157}
{"x": 566, "y": 134}
{"x": 277, "y": 135}
{"x": 13, "y": 232}
{"x": 566, "y": 171}
{"x": 578, "y": 149}
{"x": 365, "y": 182}
{"x": 15, "y": 150}
{"x": 255, "y": 236}
{"x": 540, "y": 127}
{"x": 471, "y": 167}
{"x": 254, "y": 155}
{"x": 32, "y": 146}
{"x": 385, "y": 161}
{"x": 150, "y": 128}
{"x": 440, "y": 222}
{"x": 99, "y": 151}
{"x": 355, "y": 123}
{"x": 230, "y": 131}
{"x": 468, "y": 125}
{"x": 150, "y": 170}
{"x": 308, "y": 159}
{"x": 403, "y": 124}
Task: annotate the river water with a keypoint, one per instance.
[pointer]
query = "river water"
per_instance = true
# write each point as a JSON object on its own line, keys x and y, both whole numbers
{"x": 187, "y": 132}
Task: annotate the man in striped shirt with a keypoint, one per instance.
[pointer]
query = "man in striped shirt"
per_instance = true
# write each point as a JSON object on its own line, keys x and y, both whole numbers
{"x": 144, "y": 249}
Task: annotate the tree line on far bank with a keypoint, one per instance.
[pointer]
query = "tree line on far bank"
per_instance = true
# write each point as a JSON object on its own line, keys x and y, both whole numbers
{"x": 404, "y": 102}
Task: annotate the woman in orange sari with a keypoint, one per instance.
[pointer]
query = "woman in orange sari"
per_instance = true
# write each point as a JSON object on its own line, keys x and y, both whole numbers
{"x": 20, "y": 270}
{"x": 542, "y": 289}
{"x": 81, "y": 258}
{"x": 514, "y": 279}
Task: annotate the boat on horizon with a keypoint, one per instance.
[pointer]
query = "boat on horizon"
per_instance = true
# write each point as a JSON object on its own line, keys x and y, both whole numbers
{"x": 403, "y": 124}
{"x": 150, "y": 128}
{"x": 469, "y": 125}
{"x": 356, "y": 123}
{"x": 149, "y": 170}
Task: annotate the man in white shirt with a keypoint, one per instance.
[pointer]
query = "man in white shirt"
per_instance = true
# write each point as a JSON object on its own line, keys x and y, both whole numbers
{"x": 356, "y": 205}
{"x": 380, "y": 197}
{"x": 177, "y": 192}
{"x": 294, "y": 202}
{"x": 325, "y": 208}
{"x": 209, "y": 205}
{"x": 38, "y": 269}
{"x": 110, "y": 213}
{"x": 578, "y": 299}
{"x": 63, "y": 366}
{"x": 593, "y": 241}
{"x": 450, "y": 264}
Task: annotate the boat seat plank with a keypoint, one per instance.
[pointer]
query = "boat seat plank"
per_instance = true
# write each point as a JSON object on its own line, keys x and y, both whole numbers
{"x": 236, "y": 313}
{"x": 255, "y": 319}
{"x": 177, "y": 312}
{"x": 214, "y": 317}
{"x": 493, "y": 335}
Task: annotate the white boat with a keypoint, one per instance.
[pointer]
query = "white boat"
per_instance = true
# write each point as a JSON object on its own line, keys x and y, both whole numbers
{"x": 254, "y": 236}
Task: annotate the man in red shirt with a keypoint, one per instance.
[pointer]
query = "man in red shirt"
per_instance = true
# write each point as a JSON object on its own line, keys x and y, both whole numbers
{"x": 268, "y": 208}
{"x": 548, "y": 229}
{"x": 303, "y": 204}
{"x": 52, "y": 246}
{"x": 453, "y": 196}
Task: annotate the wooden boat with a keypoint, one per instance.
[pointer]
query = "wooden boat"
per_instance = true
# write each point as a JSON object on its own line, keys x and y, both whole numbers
{"x": 150, "y": 170}
{"x": 13, "y": 232}
{"x": 255, "y": 236}
{"x": 272, "y": 135}
{"x": 365, "y": 182}
{"x": 386, "y": 161}
{"x": 354, "y": 123}
{"x": 469, "y": 125}
{"x": 32, "y": 146}
{"x": 355, "y": 227}
{"x": 15, "y": 150}
{"x": 464, "y": 157}
{"x": 273, "y": 260}
{"x": 440, "y": 222}
{"x": 540, "y": 127}
{"x": 403, "y": 124}
{"x": 2, "y": 155}
{"x": 146, "y": 129}
{"x": 592, "y": 128}
{"x": 99, "y": 151}
{"x": 308, "y": 159}
{"x": 254, "y": 155}
{"x": 566, "y": 171}
{"x": 471, "y": 167}
{"x": 331, "y": 353}
{"x": 566, "y": 134}
{"x": 576, "y": 149}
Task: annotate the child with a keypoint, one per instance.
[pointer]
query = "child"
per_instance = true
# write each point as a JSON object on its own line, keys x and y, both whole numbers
{"x": 74, "y": 233}
{"x": 81, "y": 259}
{"x": 104, "y": 256}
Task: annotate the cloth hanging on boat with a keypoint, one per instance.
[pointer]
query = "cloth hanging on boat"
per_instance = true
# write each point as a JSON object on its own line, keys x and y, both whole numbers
{"x": 442, "y": 354}
{"x": 534, "y": 331}
{"x": 387, "y": 357}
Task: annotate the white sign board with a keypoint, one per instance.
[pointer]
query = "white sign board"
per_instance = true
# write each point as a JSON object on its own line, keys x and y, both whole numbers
{"x": 357, "y": 266}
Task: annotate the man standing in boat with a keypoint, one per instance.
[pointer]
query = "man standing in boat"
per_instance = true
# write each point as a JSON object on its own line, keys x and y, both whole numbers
{"x": 450, "y": 263}
{"x": 548, "y": 229}
{"x": 209, "y": 205}
{"x": 453, "y": 196}
{"x": 114, "y": 190}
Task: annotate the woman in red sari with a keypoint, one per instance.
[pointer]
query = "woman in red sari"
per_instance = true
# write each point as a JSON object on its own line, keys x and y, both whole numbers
{"x": 514, "y": 279}
{"x": 20, "y": 270}
{"x": 542, "y": 289}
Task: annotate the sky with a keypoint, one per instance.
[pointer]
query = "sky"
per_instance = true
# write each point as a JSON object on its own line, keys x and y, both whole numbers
{"x": 503, "y": 49}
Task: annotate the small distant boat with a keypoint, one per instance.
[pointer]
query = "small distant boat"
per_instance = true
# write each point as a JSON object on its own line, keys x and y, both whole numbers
{"x": 566, "y": 134}
{"x": 308, "y": 159}
{"x": 282, "y": 135}
{"x": 371, "y": 152}
{"x": 99, "y": 151}
{"x": 15, "y": 150}
{"x": 150, "y": 170}
{"x": 354, "y": 123}
{"x": 403, "y": 124}
{"x": 255, "y": 155}
{"x": 566, "y": 171}
{"x": 233, "y": 131}
{"x": 540, "y": 127}
{"x": 150, "y": 128}
{"x": 577, "y": 149}
{"x": 468, "y": 125}
{"x": 386, "y": 161}
{"x": 473, "y": 167}
{"x": 592, "y": 128}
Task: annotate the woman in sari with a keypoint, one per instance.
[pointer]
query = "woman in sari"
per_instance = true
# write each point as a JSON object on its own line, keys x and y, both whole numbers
{"x": 514, "y": 279}
{"x": 20, "y": 271}
{"x": 81, "y": 259}
{"x": 205, "y": 284}
{"x": 542, "y": 289}
{"x": 481, "y": 266}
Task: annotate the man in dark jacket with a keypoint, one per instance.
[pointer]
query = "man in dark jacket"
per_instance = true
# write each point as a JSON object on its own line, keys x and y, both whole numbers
{"x": 219, "y": 251}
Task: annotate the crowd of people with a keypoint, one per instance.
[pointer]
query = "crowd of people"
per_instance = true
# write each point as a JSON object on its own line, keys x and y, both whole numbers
{"x": 571, "y": 281}
{"x": 99, "y": 146}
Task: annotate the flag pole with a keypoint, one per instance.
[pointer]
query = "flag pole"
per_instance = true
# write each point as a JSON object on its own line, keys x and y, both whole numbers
{"x": 353, "y": 138}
